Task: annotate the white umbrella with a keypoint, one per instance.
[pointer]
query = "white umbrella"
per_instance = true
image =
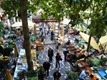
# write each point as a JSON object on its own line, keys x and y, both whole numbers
{"x": 17, "y": 24}
{"x": 103, "y": 39}
{"x": 93, "y": 43}
{"x": 66, "y": 21}
{"x": 103, "y": 42}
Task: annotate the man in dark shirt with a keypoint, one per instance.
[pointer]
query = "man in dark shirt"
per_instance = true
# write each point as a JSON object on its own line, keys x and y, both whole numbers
{"x": 65, "y": 52}
{"x": 46, "y": 66}
{"x": 57, "y": 75}
{"x": 50, "y": 54}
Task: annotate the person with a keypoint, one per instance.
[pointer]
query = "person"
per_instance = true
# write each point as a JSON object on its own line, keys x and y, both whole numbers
{"x": 50, "y": 54}
{"x": 41, "y": 73}
{"x": 52, "y": 35}
{"x": 57, "y": 75}
{"x": 68, "y": 42}
{"x": 96, "y": 52}
{"x": 58, "y": 58}
{"x": 68, "y": 58}
{"x": 42, "y": 38}
{"x": 57, "y": 45}
{"x": 83, "y": 74}
{"x": 92, "y": 77}
{"x": 65, "y": 52}
{"x": 46, "y": 66}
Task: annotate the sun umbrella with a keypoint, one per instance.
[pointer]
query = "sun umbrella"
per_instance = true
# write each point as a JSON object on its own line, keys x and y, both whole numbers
{"x": 93, "y": 43}
{"x": 66, "y": 21}
{"x": 17, "y": 24}
{"x": 103, "y": 42}
{"x": 8, "y": 75}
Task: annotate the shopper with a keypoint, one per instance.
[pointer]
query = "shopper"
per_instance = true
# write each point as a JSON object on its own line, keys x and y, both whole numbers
{"x": 58, "y": 58}
{"x": 57, "y": 75}
{"x": 50, "y": 54}
{"x": 46, "y": 66}
{"x": 52, "y": 35}
{"x": 83, "y": 74}
{"x": 65, "y": 52}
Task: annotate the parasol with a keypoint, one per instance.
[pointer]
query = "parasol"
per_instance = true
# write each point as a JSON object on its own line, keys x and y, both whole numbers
{"x": 17, "y": 24}
{"x": 93, "y": 43}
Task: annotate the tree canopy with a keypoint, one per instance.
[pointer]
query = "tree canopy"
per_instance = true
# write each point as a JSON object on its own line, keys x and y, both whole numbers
{"x": 10, "y": 6}
{"x": 49, "y": 8}
{"x": 73, "y": 9}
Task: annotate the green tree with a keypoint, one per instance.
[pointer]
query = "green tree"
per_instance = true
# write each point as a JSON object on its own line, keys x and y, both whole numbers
{"x": 49, "y": 8}
{"x": 13, "y": 6}
{"x": 98, "y": 19}
{"x": 75, "y": 10}
{"x": 74, "y": 7}
{"x": 23, "y": 10}
{"x": 98, "y": 15}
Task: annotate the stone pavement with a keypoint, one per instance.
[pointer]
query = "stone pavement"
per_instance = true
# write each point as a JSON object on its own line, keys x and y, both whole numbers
{"x": 64, "y": 66}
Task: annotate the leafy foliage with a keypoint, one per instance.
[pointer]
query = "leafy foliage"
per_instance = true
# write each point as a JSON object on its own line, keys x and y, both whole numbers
{"x": 72, "y": 75}
{"x": 1, "y": 28}
{"x": 32, "y": 78}
{"x": 10, "y": 7}
{"x": 50, "y": 8}
{"x": 32, "y": 73}
{"x": 98, "y": 15}
{"x": 74, "y": 8}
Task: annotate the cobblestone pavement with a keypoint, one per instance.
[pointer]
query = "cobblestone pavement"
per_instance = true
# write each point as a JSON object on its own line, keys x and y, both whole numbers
{"x": 64, "y": 66}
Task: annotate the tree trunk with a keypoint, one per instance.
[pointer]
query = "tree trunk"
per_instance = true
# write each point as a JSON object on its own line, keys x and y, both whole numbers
{"x": 58, "y": 29}
{"x": 23, "y": 10}
{"x": 35, "y": 30}
{"x": 88, "y": 48}
{"x": 58, "y": 24}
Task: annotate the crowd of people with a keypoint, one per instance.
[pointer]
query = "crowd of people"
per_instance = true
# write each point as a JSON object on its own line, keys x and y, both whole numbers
{"x": 46, "y": 32}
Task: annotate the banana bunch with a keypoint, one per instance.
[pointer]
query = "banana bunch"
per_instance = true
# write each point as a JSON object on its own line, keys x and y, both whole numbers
{"x": 4, "y": 58}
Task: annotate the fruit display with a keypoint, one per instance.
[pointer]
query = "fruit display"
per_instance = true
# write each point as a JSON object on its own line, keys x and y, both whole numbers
{"x": 4, "y": 59}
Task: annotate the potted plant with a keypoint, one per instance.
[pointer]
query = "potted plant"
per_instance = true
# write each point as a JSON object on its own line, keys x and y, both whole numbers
{"x": 72, "y": 75}
{"x": 103, "y": 61}
{"x": 21, "y": 75}
{"x": 32, "y": 78}
{"x": 4, "y": 60}
{"x": 32, "y": 75}
{"x": 8, "y": 48}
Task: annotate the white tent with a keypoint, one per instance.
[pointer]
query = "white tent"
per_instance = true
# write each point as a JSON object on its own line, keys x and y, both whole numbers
{"x": 17, "y": 24}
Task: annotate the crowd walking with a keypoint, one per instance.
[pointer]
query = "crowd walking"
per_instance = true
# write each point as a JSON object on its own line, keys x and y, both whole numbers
{"x": 53, "y": 59}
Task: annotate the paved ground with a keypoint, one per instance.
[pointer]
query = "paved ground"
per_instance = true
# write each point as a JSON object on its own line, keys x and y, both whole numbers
{"x": 64, "y": 66}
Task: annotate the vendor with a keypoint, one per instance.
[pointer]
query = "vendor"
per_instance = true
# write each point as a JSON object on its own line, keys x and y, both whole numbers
{"x": 83, "y": 75}
{"x": 92, "y": 77}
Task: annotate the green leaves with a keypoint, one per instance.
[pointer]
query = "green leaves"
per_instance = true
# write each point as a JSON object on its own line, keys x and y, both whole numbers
{"x": 10, "y": 7}
{"x": 72, "y": 75}
{"x": 50, "y": 8}
{"x": 1, "y": 28}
